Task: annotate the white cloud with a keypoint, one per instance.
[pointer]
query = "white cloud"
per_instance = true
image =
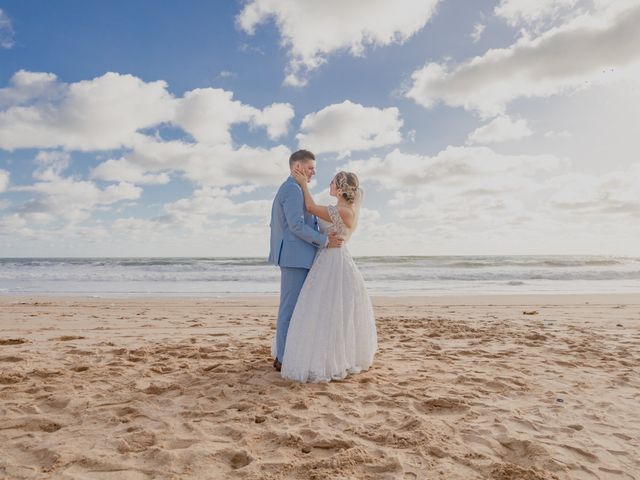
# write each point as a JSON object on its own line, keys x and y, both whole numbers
{"x": 473, "y": 199}
{"x": 227, "y": 74}
{"x": 151, "y": 158}
{"x": 14, "y": 225}
{"x": 478, "y": 30}
{"x": 206, "y": 203}
{"x": 461, "y": 190}
{"x": 4, "y": 180}
{"x": 6, "y": 31}
{"x": 477, "y": 169}
{"x": 591, "y": 48}
{"x": 225, "y": 166}
{"x": 314, "y": 29}
{"x": 347, "y": 126}
{"x": 99, "y": 114}
{"x": 246, "y": 48}
{"x": 560, "y": 134}
{"x": 209, "y": 213}
{"x": 219, "y": 165}
{"x": 103, "y": 114}
{"x": 451, "y": 212}
{"x": 141, "y": 231}
{"x": 500, "y": 129}
{"x": 594, "y": 127}
{"x": 109, "y": 111}
{"x": 51, "y": 164}
{"x": 26, "y": 86}
{"x": 275, "y": 118}
{"x": 154, "y": 154}
{"x": 70, "y": 198}
{"x": 518, "y": 12}
{"x": 612, "y": 193}
{"x": 122, "y": 170}
{"x": 208, "y": 113}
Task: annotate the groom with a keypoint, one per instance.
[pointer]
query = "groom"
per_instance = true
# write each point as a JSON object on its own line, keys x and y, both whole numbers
{"x": 294, "y": 240}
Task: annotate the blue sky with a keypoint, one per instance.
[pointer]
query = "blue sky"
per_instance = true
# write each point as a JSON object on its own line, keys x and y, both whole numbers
{"x": 163, "y": 128}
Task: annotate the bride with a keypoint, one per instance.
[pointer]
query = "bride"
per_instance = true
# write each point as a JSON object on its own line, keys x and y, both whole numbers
{"x": 332, "y": 331}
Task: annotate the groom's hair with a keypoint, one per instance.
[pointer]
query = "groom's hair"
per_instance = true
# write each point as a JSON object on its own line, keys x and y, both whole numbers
{"x": 300, "y": 156}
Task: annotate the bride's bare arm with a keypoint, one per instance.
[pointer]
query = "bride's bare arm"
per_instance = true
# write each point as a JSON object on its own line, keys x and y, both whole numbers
{"x": 312, "y": 207}
{"x": 320, "y": 211}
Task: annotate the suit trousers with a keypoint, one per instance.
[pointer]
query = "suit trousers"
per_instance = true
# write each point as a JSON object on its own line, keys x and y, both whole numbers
{"x": 291, "y": 281}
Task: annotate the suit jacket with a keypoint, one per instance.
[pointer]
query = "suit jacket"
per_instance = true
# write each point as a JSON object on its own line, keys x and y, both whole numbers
{"x": 295, "y": 236}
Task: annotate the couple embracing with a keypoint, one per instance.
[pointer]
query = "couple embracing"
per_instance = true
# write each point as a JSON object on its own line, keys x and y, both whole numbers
{"x": 326, "y": 327}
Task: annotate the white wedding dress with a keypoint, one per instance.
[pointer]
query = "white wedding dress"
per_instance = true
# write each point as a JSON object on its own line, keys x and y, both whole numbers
{"x": 332, "y": 331}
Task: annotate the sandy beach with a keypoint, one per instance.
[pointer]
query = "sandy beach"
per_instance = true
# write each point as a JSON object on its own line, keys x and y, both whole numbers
{"x": 511, "y": 387}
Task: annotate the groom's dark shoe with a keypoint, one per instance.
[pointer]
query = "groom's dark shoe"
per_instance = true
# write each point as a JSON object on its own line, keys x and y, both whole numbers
{"x": 277, "y": 365}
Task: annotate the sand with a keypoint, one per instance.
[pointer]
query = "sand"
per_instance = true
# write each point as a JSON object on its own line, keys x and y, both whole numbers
{"x": 462, "y": 388}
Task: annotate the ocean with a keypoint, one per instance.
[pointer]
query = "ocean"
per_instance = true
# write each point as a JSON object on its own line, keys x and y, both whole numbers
{"x": 437, "y": 275}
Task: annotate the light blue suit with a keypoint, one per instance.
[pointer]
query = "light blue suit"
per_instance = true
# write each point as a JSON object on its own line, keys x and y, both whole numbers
{"x": 294, "y": 241}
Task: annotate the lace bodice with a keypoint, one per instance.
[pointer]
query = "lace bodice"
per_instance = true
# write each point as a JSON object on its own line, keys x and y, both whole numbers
{"x": 336, "y": 225}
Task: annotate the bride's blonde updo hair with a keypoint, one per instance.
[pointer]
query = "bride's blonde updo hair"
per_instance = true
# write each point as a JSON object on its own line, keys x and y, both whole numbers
{"x": 348, "y": 184}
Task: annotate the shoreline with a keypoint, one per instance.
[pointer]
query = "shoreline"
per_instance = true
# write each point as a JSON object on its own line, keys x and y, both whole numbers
{"x": 399, "y": 299}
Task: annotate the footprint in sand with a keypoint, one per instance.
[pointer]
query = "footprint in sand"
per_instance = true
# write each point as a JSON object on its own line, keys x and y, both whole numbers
{"x": 66, "y": 338}
{"x": 228, "y": 433}
{"x": 618, "y": 453}
{"x": 155, "y": 389}
{"x": 11, "y": 358}
{"x": 55, "y": 403}
{"x": 127, "y": 411}
{"x": 509, "y": 471}
{"x": 536, "y": 337}
{"x": 332, "y": 443}
{"x": 236, "y": 458}
{"x": 611, "y": 470}
{"x": 301, "y": 405}
{"x": 516, "y": 451}
{"x": 162, "y": 369}
{"x": 76, "y": 351}
{"x": 49, "y": 427}
{"x": 137, "y": 442}
{"x": 43, "y": 458}
{"x": 42, "y": 373}
{"x": 135, "y": 358}
{"x": 241, "y": 406}
{"x": 32, "y": 424}
{"x": 441, "y": 405}
{"x": 12, "y": 341}
{"x": 179, "y": 443}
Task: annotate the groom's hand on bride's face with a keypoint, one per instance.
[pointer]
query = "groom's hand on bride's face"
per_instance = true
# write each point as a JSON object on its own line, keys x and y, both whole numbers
{"x": 335, "y": 240}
